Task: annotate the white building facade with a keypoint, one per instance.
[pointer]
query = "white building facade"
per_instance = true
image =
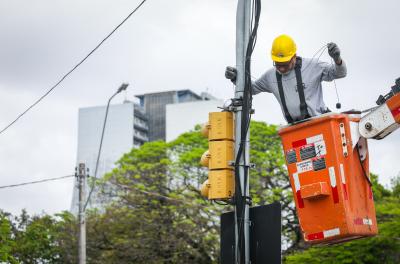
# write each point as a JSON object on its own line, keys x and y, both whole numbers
{"x": 126, "y": 128}
{"x": 183, "y": 117}
{"x": 167, "y": 115}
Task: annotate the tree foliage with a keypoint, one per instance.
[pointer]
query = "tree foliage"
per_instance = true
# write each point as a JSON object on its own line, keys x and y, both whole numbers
{"x": 37, "y": 239}
{"x": 6, "y": 242}
{"x": 156, "y": 212}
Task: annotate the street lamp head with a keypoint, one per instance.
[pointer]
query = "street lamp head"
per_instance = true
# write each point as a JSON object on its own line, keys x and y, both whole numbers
{"x": 123, "y": 87}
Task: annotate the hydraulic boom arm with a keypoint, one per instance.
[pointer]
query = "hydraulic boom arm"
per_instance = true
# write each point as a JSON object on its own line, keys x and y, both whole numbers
{"x": 384, "y": 119}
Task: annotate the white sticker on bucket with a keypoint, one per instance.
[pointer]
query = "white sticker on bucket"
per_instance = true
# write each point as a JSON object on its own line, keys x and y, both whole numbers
{"x": 367, "y": 221}
{"x": 331, "y": 232}
{"x": 304, "y": 166}
{"x": 320, "y": 148}
{"x": 342, "y": 174}
{"x": 332, "y": 176}
{"x": 296, "y": 181}
{"x": 314, "y": 139}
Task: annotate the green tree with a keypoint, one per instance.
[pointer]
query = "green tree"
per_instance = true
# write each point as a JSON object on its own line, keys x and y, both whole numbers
{"x": 65, "y": 231}
{"x": 396, "y": 186}
{"x": 37, "y": 239}
{"x": 6, "y": 241}
{"x": 153, "y": 218}
{"x": 157, "y": 214}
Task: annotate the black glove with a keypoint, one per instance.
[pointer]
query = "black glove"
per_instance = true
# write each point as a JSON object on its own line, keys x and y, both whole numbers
{"x": 230, "y": 73}
{"x": 334, "y": 52}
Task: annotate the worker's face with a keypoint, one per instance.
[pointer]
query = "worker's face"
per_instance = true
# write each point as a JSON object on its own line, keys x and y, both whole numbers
{"x": 285, "y": 67}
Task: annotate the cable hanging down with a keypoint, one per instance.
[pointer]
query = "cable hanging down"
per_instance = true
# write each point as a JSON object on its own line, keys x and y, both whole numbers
{"x": 73, "y": 69}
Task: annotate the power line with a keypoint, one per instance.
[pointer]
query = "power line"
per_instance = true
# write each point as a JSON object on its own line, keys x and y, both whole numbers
{"x": 34, "y": 182}
{"x": 73, "y": 69}
{"x": 165, "y": 197}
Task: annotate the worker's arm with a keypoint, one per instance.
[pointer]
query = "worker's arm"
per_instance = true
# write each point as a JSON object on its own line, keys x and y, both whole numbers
{"x": 332, "y": 71}
{"x": 262, "y": 84}
{"x": 338, "y": 69}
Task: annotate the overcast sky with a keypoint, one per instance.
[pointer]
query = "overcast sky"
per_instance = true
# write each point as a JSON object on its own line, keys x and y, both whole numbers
{"x": 166, "y": 45}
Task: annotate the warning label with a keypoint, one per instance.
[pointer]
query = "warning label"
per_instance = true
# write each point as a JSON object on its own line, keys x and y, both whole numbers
{"x": 319, "y": 163}
{"x": 307, "y": 152}
{"x": 291, "y": 156}
{"x": 304, "y": 166}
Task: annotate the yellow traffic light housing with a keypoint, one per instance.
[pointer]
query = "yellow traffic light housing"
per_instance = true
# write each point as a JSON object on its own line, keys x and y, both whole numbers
{"x": 221, "y": 152}
{"x": 222, "y": 184}
{"x": 221, "y": 178}
{"x": 205, "y": 188}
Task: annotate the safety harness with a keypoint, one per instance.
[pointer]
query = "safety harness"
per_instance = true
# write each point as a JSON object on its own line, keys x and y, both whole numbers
{"x": 300, "y": 89}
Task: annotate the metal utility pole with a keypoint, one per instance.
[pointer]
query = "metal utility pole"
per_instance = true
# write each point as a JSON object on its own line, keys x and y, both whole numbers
{"x": 82, "y": 220}
{"x": 242, "y": 242}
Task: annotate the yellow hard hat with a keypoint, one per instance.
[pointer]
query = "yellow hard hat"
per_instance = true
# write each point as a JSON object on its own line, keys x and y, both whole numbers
{"x": 283, "y": 48}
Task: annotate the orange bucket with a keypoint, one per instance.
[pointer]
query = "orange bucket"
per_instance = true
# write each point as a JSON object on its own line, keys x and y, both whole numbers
{"x": 328, "y": 169}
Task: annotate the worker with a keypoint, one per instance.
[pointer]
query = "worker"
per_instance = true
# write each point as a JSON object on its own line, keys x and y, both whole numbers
{"x": 296, "y": 81}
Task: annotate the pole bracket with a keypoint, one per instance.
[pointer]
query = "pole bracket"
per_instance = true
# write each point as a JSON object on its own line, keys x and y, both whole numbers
{"x": 250, "y": 165}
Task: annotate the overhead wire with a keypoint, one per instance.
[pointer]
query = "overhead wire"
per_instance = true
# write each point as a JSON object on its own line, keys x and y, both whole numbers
{"x": 166, "y": 197}
{"x": 72, "y": 70}
{"x": 35, "y": 182}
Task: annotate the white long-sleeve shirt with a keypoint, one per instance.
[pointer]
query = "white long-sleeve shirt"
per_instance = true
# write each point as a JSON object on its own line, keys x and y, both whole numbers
{"x": 313, "y": 73}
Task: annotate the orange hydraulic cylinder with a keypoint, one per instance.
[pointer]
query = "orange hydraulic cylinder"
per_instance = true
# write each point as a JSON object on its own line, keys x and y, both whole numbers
{"x": 329, "y": 179}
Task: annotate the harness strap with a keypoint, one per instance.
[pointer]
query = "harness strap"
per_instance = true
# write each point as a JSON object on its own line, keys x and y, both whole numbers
{"x": 300, "y": 88}
{"x": 282, "y": 96}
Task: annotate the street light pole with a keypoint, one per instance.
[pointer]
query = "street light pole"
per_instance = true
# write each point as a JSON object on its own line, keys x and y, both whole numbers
{"x": 81, "y": 173}
{"x": 120, "y": 89}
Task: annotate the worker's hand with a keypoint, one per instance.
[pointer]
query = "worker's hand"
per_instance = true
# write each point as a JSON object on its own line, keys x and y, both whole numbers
{"x": 334, "y": 52}
{"x": 230, "y": 73}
